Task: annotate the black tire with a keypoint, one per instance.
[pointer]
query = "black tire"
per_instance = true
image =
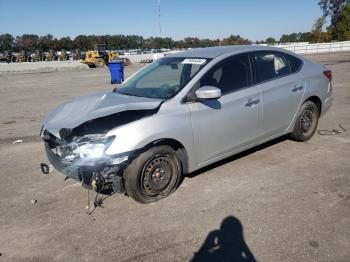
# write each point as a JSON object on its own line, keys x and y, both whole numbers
{"x": 153, "y": 175}
{"x": 99, "y": 62}
{"x": 306, "y": 122}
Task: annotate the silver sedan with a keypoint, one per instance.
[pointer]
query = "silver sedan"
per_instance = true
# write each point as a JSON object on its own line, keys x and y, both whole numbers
{"x": 182, "y": 113}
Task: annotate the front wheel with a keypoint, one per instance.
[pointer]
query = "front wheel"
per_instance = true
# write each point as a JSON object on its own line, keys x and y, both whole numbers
{"x": 306, "y": 122}
{"x": 153, "y": 175}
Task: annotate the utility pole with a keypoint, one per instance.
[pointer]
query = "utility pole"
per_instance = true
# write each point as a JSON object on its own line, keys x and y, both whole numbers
{"x": 158, "y": 11}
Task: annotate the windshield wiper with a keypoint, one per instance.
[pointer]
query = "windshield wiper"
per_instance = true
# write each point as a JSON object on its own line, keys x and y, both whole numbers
{"x": 127, "y": 94}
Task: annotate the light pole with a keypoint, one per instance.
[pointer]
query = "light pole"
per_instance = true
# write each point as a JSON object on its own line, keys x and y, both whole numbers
{"x": 158, "y": 11}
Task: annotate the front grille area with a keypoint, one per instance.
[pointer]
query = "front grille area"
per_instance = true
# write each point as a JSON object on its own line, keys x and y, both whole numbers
{"x": 108, "y": 176}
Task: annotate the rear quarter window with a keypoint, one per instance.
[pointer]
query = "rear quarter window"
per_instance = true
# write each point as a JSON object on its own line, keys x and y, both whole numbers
{"x": 294, "y": 62}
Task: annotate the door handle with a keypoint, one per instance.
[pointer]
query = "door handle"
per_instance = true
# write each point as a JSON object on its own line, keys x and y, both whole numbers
{"x": 298, "y": 88}
{"x": 252, "y": 102}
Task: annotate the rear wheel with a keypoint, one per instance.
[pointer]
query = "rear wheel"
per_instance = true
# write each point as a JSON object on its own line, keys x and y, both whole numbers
{"x": 306, "y": 122}
{"x": 153, "y": 175}
{"x": 99, "y": 62}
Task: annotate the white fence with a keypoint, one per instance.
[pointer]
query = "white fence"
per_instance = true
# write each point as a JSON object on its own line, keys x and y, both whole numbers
{"x": 139, "y": 58}
{"x": 306, "y": 48}
{"x": 299, "y": 48}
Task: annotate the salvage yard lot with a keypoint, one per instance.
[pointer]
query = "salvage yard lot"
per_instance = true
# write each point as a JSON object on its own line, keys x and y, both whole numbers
{"x": 292, "y": 199}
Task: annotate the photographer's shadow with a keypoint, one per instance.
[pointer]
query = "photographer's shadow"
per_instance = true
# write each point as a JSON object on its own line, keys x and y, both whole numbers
{"x": 225, "y": 244}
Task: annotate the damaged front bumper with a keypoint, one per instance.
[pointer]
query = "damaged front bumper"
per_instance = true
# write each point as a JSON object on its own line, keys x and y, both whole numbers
{"x": 103, "y": 174}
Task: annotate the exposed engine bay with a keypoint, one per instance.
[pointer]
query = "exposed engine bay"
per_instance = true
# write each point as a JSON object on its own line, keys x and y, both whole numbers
{"x": 79, "y": 153}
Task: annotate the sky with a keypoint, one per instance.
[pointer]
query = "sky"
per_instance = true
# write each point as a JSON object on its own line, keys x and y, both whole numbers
{"x": 252, "y": 19}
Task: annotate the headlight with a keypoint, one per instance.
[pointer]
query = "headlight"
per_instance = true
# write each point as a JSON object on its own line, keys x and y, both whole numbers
{"x": 90, "y": 151}
{"x": 88, "y": 148}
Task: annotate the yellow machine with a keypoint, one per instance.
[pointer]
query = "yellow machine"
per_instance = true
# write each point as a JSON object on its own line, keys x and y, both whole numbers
{"x": 99, "y": 57}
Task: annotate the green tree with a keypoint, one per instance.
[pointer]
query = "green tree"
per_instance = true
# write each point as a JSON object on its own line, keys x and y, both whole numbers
{"x": 337, "y": 10}
{"x": 341, "y": 30}
{"x": 45, "y": 42}
{"x": 318, "y": 26}
{"x": 65, "y": 43}
{"x": 333, "y": 8}
{"x": 306, "y": 37}
{"x": 6, "y": 42}
{"x": 27, "y": 42}
{"x": 270, "y": 40}
{"x": 289, "y": 38}
{"x": 192, "y": 42}
{"x": 235, "y": 40}
{"x": 83, "y": 42}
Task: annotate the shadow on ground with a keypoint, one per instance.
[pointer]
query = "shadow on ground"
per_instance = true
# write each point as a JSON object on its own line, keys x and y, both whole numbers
{"x": 237, "y": 156}
{"x": 225, "y": 244}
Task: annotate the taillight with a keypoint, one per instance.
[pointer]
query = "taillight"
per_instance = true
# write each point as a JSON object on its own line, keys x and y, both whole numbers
{"x": 328, "y": 74}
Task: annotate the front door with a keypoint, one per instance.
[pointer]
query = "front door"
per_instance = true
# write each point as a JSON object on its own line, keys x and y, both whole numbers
{"x": 232, "y": 121}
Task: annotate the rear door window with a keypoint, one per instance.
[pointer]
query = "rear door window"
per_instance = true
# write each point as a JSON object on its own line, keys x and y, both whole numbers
{"x": 270, "y": 65}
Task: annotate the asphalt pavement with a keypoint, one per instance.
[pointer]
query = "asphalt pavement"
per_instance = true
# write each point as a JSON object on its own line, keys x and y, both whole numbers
{"x": 282, "y": 201}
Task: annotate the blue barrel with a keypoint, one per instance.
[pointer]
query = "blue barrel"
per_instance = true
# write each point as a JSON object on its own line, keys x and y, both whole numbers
{"x": 116, "y": 69}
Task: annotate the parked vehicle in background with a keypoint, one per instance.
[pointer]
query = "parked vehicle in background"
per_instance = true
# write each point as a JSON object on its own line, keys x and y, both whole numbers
{"x": 183, "y": 112}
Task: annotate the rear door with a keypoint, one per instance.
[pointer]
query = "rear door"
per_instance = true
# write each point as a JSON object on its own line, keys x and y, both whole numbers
{"x": 232, "y": 121}
{"x": 282, "y": 88}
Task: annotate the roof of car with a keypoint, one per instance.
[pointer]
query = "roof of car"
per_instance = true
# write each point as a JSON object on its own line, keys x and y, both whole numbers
{"x": 212, "y": 52}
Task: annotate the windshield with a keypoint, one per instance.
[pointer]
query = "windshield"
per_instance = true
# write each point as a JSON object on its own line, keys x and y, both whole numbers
{"x": 162, "y": 79}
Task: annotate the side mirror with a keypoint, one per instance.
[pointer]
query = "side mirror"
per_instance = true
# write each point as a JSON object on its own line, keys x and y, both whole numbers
{"x": 208, "y": 92}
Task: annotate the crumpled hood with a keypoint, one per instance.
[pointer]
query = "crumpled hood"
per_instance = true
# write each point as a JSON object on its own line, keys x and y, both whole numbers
{"x": 74, "y": 113}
